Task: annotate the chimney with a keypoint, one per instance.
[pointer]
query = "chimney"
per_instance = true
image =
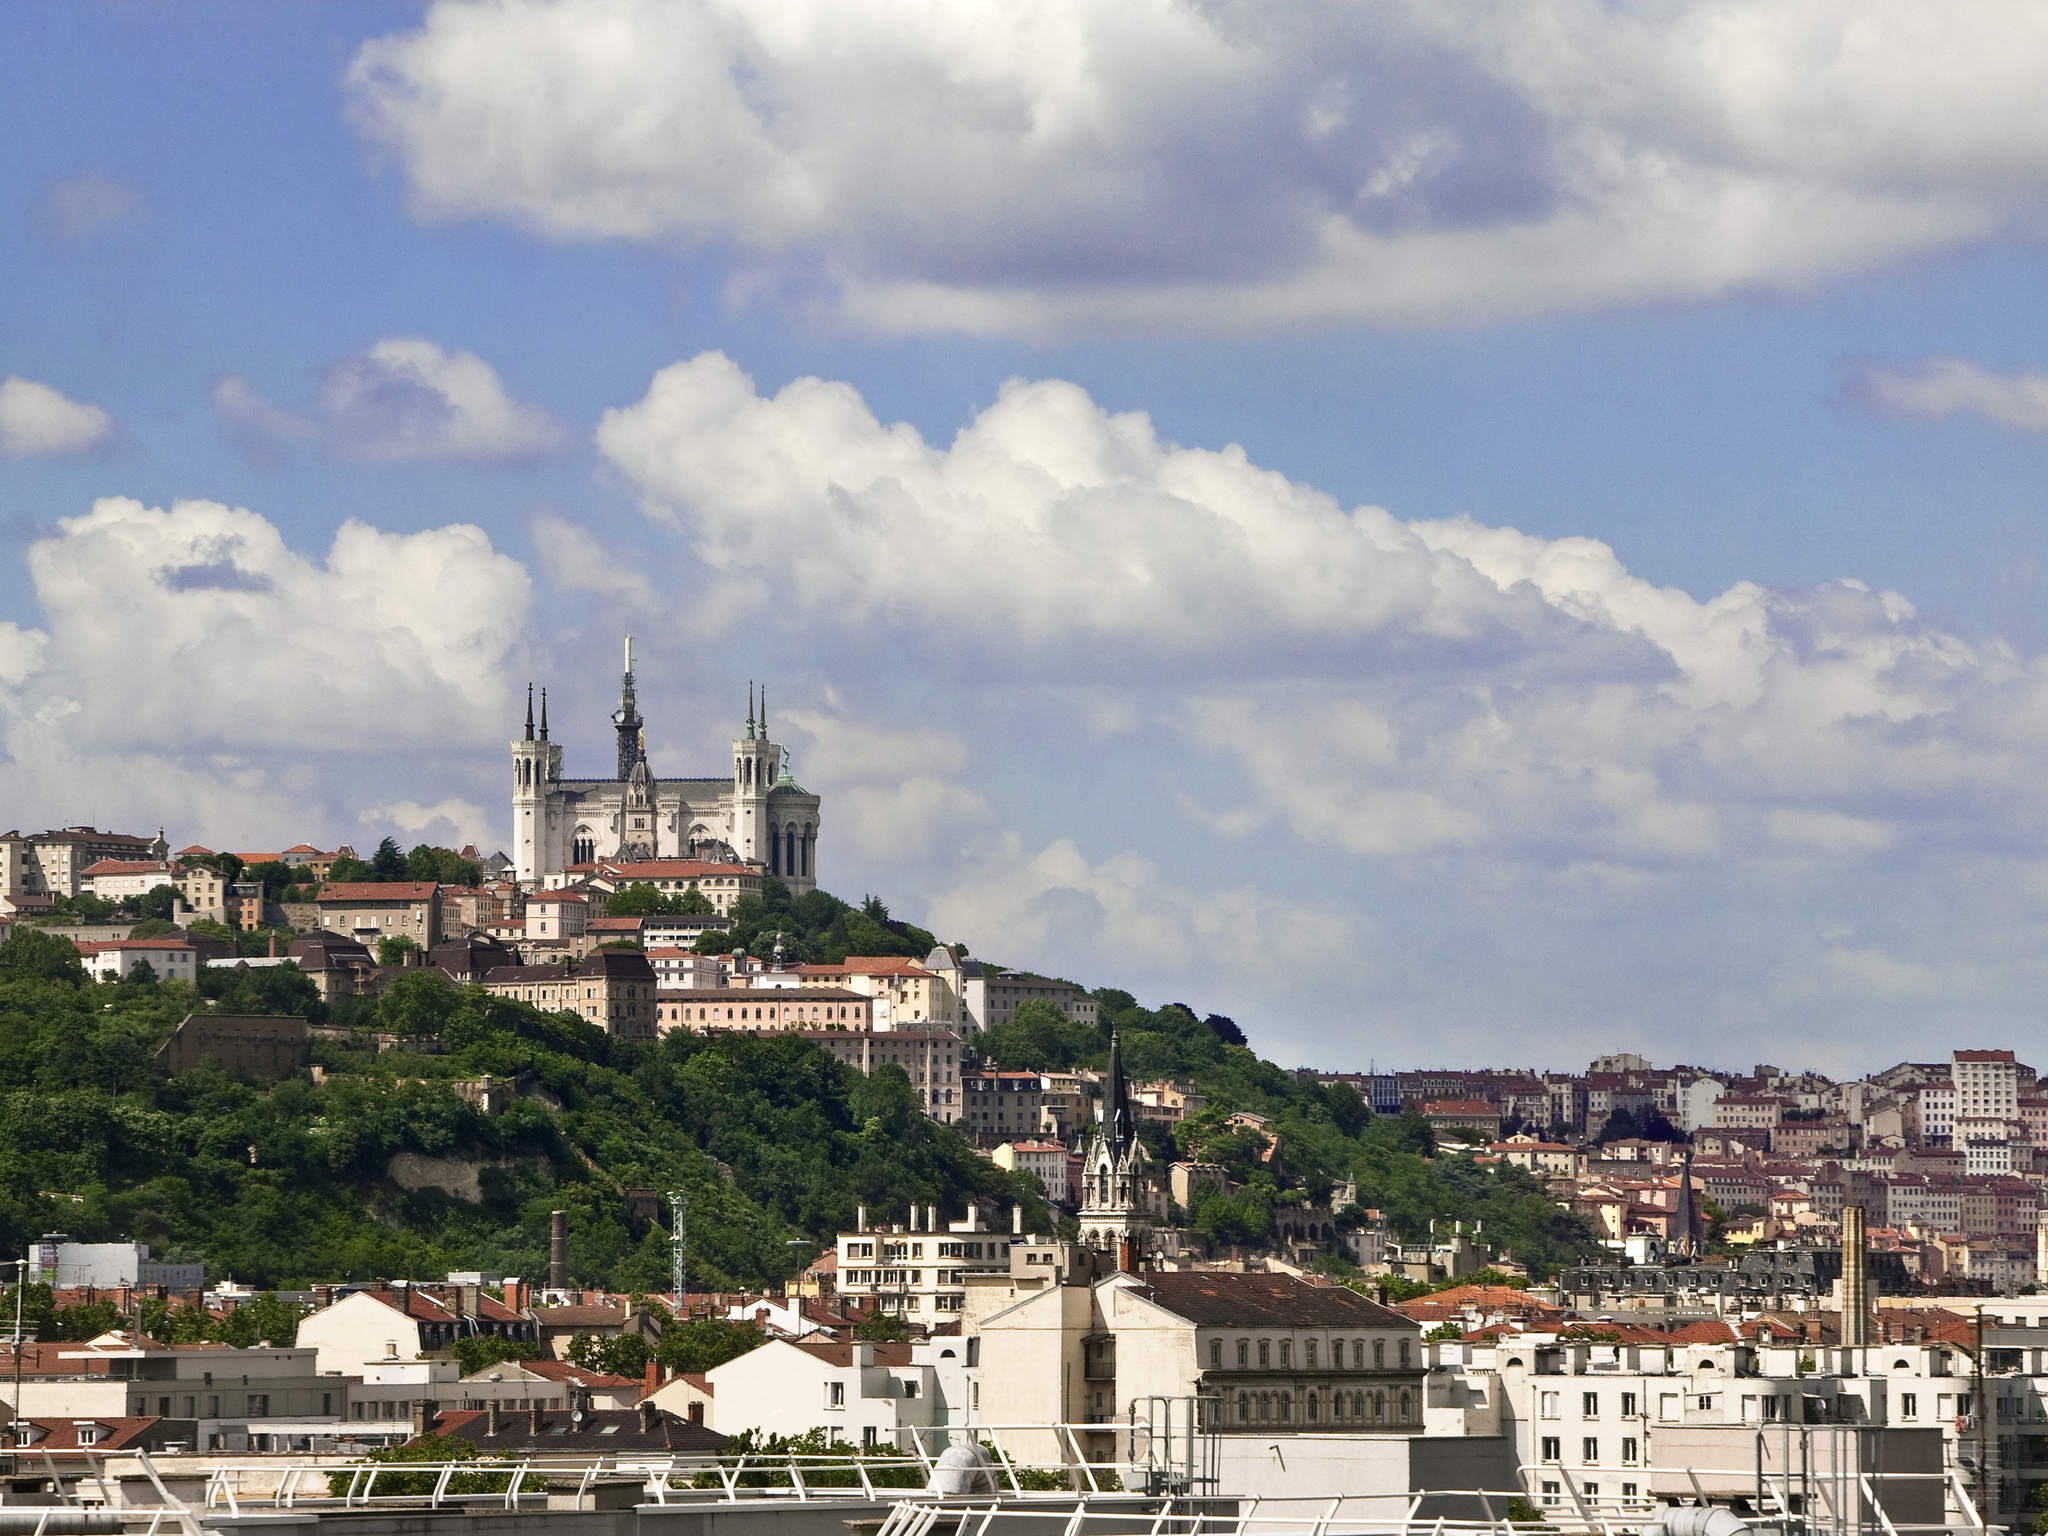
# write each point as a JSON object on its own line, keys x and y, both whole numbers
{"x": 860, "y": 1218}
{"x": 273, "y": 946}
{"x": 973, "y": 1218}
{"x": 1855, "y": 1281}
{"x": 1016, "y": 1221}
{"x": 1123, "y": 1256}
{"x": 932, "y": 1223}
{"x": 533, "y": 1419}
{"x": 492, "y": 1423}
{"x": 697, "y": 1412}
{"x": 649, "y": 1417}
{"x": 653, "y": 1379}
{"x": 422, "y": 1418}
{"x": 558, "y": 1251}
{"x": 863, "y": 1353}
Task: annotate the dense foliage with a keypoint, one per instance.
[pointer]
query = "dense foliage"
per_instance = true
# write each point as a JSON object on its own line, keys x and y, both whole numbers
{"x": 290, "y": 1182}
{"x": 816, "y": 928}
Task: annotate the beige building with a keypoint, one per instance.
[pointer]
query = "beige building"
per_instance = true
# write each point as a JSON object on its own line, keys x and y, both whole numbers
{"x": 1044, "y": 1160}
{"x": 1281, "y": 1354}
{"x": 205, "y": 891}
{"x": 904, "y": 991}
{"x": 990, "y": 997}
{"x": 920, "y": 1273}
{"x": 929, "y": 1057}
{"x": 369, "y": 910}
{"x": 556, "y": 916}
{"x": 763, "y": 1010}
{"x": 611, "y": 988}
{"x": 999, "y": 1106}
{"x": 54, "y": 863}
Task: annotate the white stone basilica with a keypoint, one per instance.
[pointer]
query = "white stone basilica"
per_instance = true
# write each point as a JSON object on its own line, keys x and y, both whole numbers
{"x": 759, "y": 816}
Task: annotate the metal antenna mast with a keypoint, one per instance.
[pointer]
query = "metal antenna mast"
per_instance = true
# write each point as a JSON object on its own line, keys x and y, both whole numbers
{"x": 679, "y": 1244}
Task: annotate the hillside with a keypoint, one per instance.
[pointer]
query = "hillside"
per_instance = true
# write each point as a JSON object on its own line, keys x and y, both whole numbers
{"x": 775, "y": 1142}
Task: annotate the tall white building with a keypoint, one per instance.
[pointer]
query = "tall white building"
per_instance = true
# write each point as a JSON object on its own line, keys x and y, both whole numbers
{"x": 759, "y": 816}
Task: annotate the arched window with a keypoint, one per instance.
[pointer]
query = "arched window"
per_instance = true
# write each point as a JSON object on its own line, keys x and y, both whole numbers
{"x": 1310, "y": 1399}
{"x": 1336, "y": 1406}
{"x": 1379, "y": 1353}
{"x": 1244, "y": 1353}
{"x": 774, "y": 853}
{"x": 789, "y": 849}
{"x": 810, "y": 838}
{"x": 1406, "y": 1405}
{"x": 1286, "y": 1407}
{"x": 1265, "y": 1406}
{"x": 1244, "y": 1408}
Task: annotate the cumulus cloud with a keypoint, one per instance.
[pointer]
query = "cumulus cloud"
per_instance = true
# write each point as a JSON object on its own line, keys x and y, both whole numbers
{"x": 575, "y": 561}
{"x": 1948, "y": 386}
{"x": 1080, "y": 163}
{"x": 404, "y": 400}
{"x": 38, "y": 421}
{"x": 1382, "y": 689}
{"x": 450, "y": 823}
{"x": 1123, "y": 913}
{"x": 197, "y": 633}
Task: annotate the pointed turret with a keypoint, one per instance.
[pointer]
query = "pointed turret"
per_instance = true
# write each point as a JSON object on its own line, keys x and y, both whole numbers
{"x": 750, "y": 709}
{"x": 543, "y": 714}
{"x": 529, "y": 711}
{"x": 764, "y": 711}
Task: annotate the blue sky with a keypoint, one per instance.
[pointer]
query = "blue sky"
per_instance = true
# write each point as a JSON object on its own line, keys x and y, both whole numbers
{"x": 363, "y": 361}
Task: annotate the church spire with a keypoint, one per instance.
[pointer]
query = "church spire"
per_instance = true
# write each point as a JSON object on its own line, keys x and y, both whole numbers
{"x": 764, "y": 711}
{"x": 543, "y": 711}
{"x": 529, "y": 711}
{"x": 750, "y": 709}
{"x": 1119, "y": 1124}
{"x": 627, "y": 719}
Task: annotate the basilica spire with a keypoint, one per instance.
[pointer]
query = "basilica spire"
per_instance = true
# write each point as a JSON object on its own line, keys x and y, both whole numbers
{"x": 543, "y": 711}
{"x": 1119, "y": 1123}
{"x": 764, "y": 711}
{"x": 750, "y": 709}
{"x": 627, "y": 720}
{"x": 529, "y": 711}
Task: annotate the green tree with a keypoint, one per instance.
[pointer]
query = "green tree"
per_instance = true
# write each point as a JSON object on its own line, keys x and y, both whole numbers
{"x": 480, "y": 1351}
{"x": 881, "y": 1327}
{"x": 696, "y": 1345}
{"x": 387, "y": 863}
{"x": 1038, "y": 1037}
{"x": 693, "y": 903}
{"x": 154, "y": 928}
{"x": 393, "y": 948}
{"x": 33, "y": 956}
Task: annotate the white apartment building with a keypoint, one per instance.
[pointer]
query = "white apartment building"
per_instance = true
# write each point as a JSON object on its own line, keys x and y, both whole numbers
{"x": 930, "y": 1058}
{"x": 1937, "y": 1112}
{"x": 1987, "y": 1084}
{"x": 862, "y": 1393}
{"x": 1047, "y": 1160}
{"x": 115, "y": 959}
{"x": 919, "y": 1273}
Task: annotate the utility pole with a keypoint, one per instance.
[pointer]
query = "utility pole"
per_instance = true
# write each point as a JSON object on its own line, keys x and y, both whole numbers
{"x": 679, "y": 1247}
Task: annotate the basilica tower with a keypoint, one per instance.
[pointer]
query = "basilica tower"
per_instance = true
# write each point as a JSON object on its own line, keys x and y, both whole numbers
{"x": 754, "y": 761}
{"x": 536, "y": 767}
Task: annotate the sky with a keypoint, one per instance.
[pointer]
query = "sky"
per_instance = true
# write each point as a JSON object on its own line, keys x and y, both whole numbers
{"x": 1450, "y": 531}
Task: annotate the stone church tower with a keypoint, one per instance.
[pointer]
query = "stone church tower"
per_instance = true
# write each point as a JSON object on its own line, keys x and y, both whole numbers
{"x": 1115, "y": 1215}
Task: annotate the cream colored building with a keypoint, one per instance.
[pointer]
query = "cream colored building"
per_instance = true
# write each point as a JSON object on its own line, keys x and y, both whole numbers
{"x": 1281, "y": 1355}
{"x": 920, "y": 1273}
{"x": 904, "y": 991}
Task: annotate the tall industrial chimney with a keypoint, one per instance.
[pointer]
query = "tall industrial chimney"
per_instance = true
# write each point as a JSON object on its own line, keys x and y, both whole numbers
{"x": 558, "y": 1250}
{"x": 1855, "y": 1281}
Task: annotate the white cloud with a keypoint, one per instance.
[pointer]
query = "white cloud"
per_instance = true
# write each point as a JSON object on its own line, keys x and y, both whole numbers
{"x": 404, "y": 400}
{"x": 1948, "y": 386}
{"x": 449, "y": 823}
{"x": 574, "y": 560}
{"x": 194, "y": 669}
{"x": 1121, "y": 915}
{"x": 1384, "y": 689}
{"x": 36, "y": 420}
{"x": 1042, "y": 166}
{"x": 84, "y": 204}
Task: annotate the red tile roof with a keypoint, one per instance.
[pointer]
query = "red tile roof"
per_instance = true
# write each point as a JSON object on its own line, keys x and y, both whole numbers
{"x": 125, "y": 867}
{"x": 673, "y": 869}
{"x": 355, "y": 891}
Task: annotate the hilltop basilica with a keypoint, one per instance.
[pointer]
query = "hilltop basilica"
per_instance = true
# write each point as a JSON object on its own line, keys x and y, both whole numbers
{"x": 758, "y": 816}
